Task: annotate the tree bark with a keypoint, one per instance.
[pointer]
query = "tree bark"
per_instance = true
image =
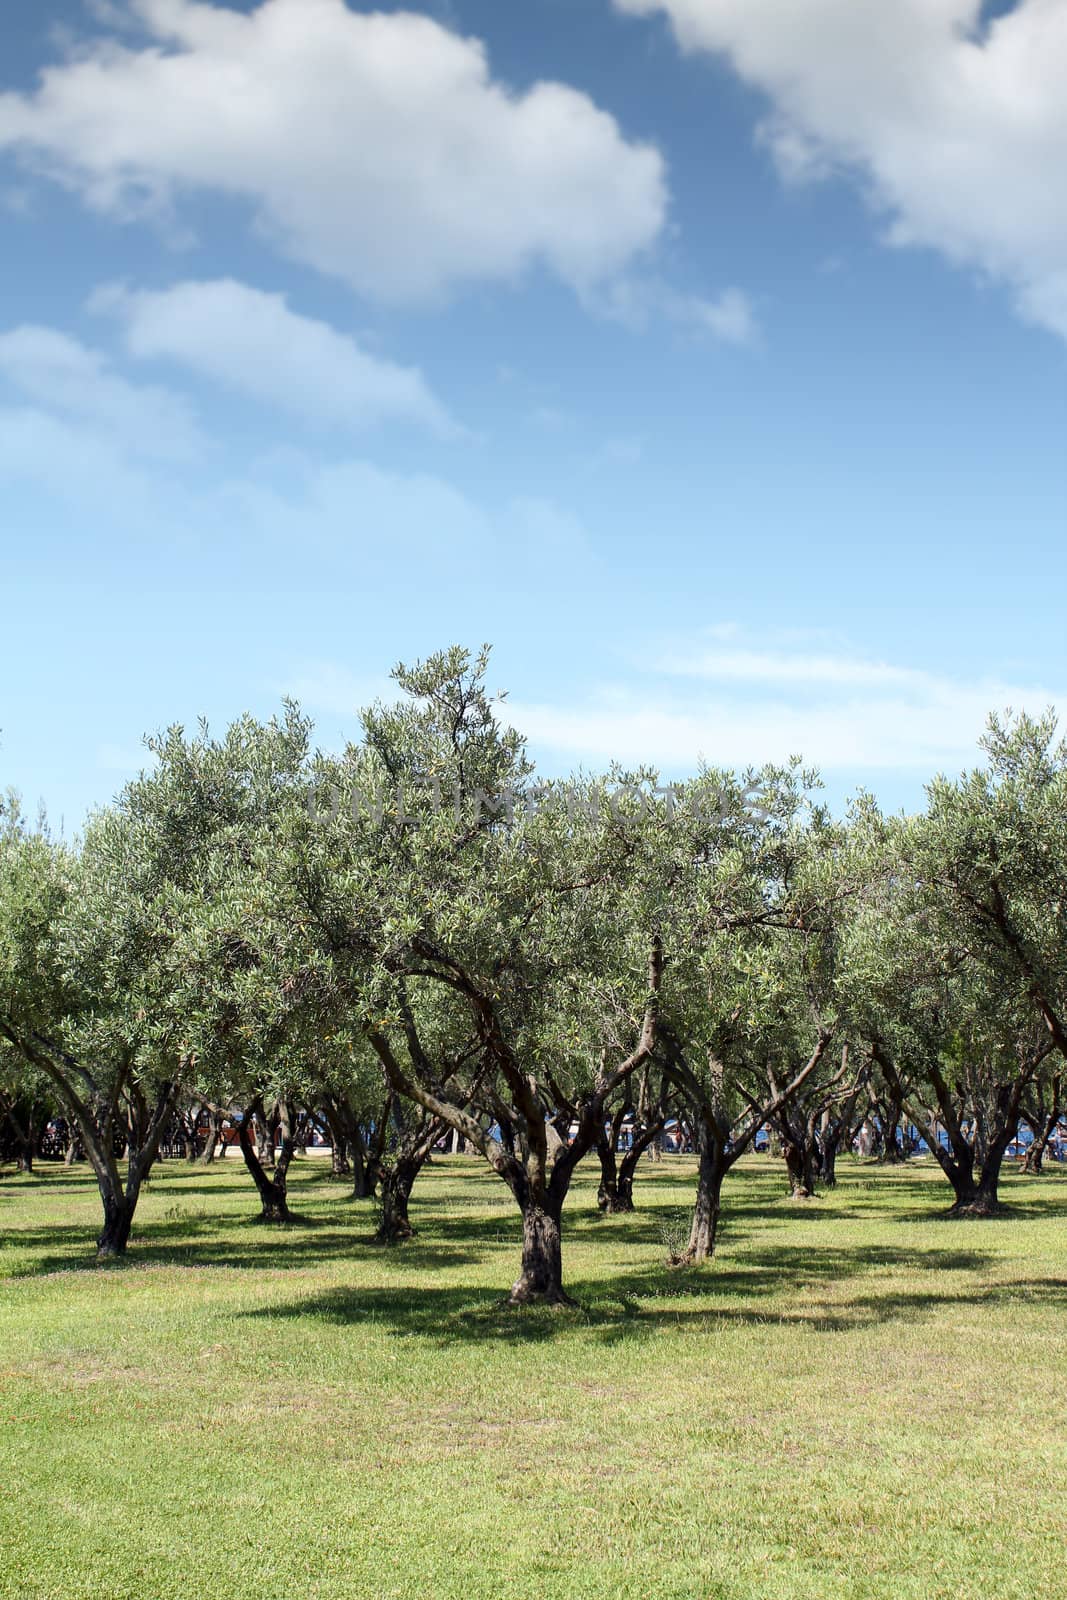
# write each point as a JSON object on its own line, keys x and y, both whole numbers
{"x": 398, "y": 1175}
{"x": 364, "y": 1181}
{"x": 1043, "y": 1129}
{"x": 541, "y": 1277}
{"x": 118, "y": 1220}
{"x": 711, "y": 1170}
{"x": 340, "y": 1138}
{"x": 214, "y": 1134}
{"x": 827, "y": 1146}
{"x": 368, "y": 1155}
{"x": 264, "y": 1140}
{"x": 891, "y": 1147}
{"x": 396, "y": 1185}
{"x": 646, "y": 1140}
{"x": 799, "y": 1164}
{"x": 610, "y": 1197}
{"x": 23, "y": 1133}
{"x": 272, "y": 1191}
{"x": 985, "y": 1201}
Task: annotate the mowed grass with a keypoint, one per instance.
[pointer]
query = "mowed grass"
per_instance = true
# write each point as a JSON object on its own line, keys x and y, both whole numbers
{"x": 858, "y": 1398}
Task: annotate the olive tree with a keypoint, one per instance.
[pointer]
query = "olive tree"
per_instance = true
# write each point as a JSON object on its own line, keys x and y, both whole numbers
{"x": 431, "y": 877}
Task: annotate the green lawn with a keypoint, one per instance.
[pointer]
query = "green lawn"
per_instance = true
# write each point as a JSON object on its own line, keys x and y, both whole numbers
{"x": 858, "y": 1398}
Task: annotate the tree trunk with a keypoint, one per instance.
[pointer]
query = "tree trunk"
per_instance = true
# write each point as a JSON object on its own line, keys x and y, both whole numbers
{"x": 71, "y": 1154}
{"x": 541, "y": 1277}
{"x": 272, "y": 1195}
{"x": 1043, "y": 1131}
{"x": 646, "y": 1140}
{"x": 367, "y": 1156}
{"x": 214, "y": 1134}
{"x": 364, "y": 1177}
{"x": 983, "y": 1200}
{"x": 705, "y": 1224}
{"x": 827, "y": 1158}
{"x": 891, "y": 1150}
{"x": 397, "y": 1182}
{"x": 609, "y": 1195}
{"x": 799, "y": 1164}
{"x": 264, "y": 1141}
{"x": 1034, "y": 1160}
{"x": 118, "y": 1219}
{"x": 345, "y": 1136}
{"x": 960, "y": 1175}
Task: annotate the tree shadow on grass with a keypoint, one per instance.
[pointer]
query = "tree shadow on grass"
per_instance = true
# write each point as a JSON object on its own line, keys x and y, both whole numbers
{"x": 1036, "y": 1208}
{"x": 768, "y": 1286}
{"x": 245, "y": 1244}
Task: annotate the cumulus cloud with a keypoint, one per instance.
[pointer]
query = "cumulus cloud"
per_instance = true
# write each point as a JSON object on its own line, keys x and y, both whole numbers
{"x": 252, "y": 342}
{"x": 956, "y": 125}
{"x": 376, "y": 147}
{"x": 67, "y": 383}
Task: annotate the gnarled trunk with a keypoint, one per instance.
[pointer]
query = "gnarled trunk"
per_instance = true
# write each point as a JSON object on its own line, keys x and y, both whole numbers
{"x": 799, "y": 1164}
{"x": 982, "y": 1199}
{"x": 118, "y": 1220}
{"x": 214, "y": 1135}
{"x": 711, "y": 1171}
{"x": 398, "y": 1179}
{"x": 541, "y": 1277}
{"x": 829, "y": 1140}
{"x": 368, "y": 1155}
{"x": 264, "y": 1140}
{"x": 272, "y": 1190}
{"x": 610, "y": 1196}
{"x": 958, "y": 1167}
{"x": 646, "y": 1140}
{"x": 1043, "y": 1129}
{"x": 396, "y": 1185}
{"x": 892, "y": 1151}
{"x": 339, "y": 1125}
{"x": 1034, "y": 1159}
{"x": 364, "y": 1177}
{"x": 710, "y": 1137}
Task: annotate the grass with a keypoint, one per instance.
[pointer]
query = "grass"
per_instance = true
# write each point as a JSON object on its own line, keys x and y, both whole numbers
{"x": 857, "y": 1398}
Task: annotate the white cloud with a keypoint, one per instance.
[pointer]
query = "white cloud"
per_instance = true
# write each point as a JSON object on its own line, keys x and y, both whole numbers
{"x": 736, "y": 707}
{"x": 958, "y": 130}
{"x": 63, "y": 379}
{"x": 728, "y": 316}
{"x": 250, "y": 341}
{"x": 790, "y": 668}
{"x": 106, "y": 451}
{"x": 385, "y": 517}
{"x": 374, "y": 147}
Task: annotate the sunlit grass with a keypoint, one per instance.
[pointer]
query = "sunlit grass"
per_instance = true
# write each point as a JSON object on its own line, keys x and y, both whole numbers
{"x": 857, "y": 1398}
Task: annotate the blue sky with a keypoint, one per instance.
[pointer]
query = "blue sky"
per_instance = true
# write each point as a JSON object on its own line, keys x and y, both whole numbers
{"x": 705, "y": 356}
